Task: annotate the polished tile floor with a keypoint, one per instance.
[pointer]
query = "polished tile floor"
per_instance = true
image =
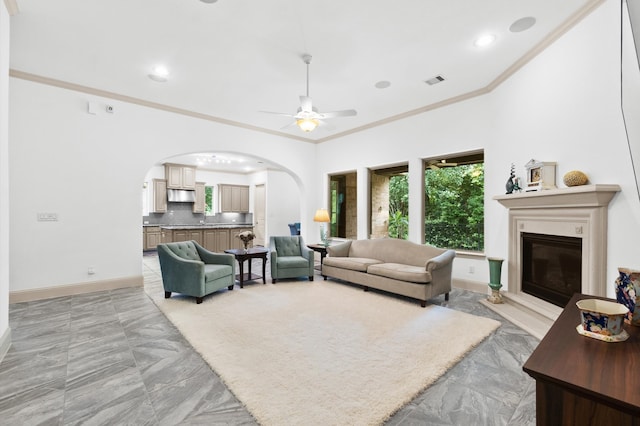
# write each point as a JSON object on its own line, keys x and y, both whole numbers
{"x": 112, "y": 358}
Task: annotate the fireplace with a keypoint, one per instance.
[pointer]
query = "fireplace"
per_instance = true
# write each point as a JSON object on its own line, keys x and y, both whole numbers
{"x": 564, "y": 232}
{"x": 551, "y": 267}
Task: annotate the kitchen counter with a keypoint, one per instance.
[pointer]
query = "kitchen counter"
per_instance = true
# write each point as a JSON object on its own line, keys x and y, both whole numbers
{"x": 208, "y": 226}
{"x": 201, "y": 226}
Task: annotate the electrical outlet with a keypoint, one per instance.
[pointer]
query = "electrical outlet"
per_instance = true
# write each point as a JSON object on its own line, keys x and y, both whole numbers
{"x": 91, "y": 270}
{"x": 472, "y": 269}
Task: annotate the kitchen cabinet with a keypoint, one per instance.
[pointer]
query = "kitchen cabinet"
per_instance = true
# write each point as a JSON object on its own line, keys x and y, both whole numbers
{"x": 159, "y": 196}
{"x": 216, "y": 240}
{"x": 187, "y": 235}
{"x": 213, "y": 239}
{"x": 166, "y": 236}
{"x": 234, "y": 198}
{"x": 152, "y": 237}
{"x": 179, "y": 176}
{"x": 199, "y": 205}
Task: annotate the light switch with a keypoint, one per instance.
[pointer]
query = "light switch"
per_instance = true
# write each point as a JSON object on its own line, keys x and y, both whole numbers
{"x": 47, "y": 217}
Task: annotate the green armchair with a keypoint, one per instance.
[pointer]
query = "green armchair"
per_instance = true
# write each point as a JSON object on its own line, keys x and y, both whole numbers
{"x": 190, "y": 269}
{"x": 290, "y": 258}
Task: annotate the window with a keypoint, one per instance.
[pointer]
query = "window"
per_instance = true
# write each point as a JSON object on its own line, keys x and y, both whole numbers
{"x": 208, "y": 201}
{"x": 389, "y": 192}
{"x": 454, "y": 202}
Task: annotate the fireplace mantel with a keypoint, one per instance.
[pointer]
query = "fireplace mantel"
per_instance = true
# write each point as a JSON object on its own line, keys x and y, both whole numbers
{"x": 573, "y": 197}
{"x": 579, "y": 211}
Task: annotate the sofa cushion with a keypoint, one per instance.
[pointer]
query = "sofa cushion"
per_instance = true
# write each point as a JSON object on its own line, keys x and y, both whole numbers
{"x": 414, "y": 274}
{"x": 213, "y": 272}
{"x": 360, "y": 264}
{"x": 292, "y": 262}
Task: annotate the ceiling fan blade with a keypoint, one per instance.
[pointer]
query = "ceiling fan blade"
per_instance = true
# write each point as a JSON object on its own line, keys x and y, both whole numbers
{"x": 306, "y": 104}
{"x": 278, "y": 113}
{"x": 434, "y": 167}
{"x": 343, "y": 113}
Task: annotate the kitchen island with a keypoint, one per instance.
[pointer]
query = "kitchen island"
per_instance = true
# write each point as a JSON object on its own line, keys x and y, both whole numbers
{"x": 216, "y": 237}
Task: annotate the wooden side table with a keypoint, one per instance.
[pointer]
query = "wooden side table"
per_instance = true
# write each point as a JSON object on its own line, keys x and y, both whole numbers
{"x": 584, "y": 381}
{"x": 320, "y": 248}
{"x": 253, "y": 253}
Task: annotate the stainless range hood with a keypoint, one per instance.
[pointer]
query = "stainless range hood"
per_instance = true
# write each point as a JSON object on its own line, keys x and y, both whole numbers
{"x": 181, "y": 196}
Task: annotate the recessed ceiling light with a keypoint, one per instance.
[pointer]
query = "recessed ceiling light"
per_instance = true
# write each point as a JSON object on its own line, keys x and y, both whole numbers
{"x": 522, "y": 24}
{"x": 485, "y": 40}
{"x": 159, "y": 73}
{"x": 383, "y": 84}
{"x": 208, "y": 1}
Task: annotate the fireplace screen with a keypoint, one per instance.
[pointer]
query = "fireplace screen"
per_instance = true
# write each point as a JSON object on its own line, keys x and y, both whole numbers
{"x": 551, "y": 267}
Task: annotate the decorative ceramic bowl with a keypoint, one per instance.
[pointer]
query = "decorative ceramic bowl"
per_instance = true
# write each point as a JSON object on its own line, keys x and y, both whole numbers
{"x": 601, "y": 316}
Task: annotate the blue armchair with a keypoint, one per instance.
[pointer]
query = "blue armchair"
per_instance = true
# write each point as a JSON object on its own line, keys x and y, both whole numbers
{"x": 190, "y": 269}
{"x": 290, "y": 258}
{"x": 294, "y": 228}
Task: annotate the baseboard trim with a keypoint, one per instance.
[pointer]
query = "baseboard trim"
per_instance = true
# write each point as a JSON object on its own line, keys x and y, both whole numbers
{"x": 73, "y": 289}
{"x": 5, "y": 343}
{"x": 475, "y": 286}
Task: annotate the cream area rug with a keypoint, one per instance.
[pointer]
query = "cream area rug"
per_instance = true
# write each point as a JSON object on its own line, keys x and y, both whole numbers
{"x": 323, "y": 353}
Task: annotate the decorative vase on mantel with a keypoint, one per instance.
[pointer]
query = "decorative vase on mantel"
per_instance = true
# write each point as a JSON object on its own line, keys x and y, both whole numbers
{"x": 628, "y": 293}
{"x": 495, "y": 274}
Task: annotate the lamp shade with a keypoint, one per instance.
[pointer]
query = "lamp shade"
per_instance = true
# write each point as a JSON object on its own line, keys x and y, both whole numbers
{"x": 322, "y": 215}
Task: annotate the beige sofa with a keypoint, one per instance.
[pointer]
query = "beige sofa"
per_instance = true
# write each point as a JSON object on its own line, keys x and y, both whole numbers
{"x": 397, "y": 266}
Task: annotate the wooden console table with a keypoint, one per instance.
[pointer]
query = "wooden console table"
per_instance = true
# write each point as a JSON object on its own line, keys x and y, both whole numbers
{"x": 584, "y": 381}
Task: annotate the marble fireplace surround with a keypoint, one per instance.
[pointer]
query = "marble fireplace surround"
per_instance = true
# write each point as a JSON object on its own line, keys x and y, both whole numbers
{"x": 579, "y": 211}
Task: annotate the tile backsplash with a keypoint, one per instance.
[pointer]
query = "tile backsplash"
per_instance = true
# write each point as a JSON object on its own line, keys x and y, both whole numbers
{"x": 182, "y": 214}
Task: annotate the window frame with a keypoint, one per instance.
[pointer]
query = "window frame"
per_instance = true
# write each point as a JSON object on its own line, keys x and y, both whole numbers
{"x": 474, "y": 246}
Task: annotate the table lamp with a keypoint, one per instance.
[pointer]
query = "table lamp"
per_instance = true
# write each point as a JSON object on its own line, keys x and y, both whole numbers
{"x": 322, "y": 216}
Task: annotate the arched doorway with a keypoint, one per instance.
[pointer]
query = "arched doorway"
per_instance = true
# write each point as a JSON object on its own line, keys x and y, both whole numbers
{"x": 227, "y": 188}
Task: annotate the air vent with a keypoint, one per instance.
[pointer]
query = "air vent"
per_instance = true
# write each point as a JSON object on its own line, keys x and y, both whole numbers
{"x": 435, "y": 80}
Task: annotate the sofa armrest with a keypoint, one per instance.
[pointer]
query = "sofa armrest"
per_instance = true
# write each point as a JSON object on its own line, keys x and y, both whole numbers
{"x": 214, "y": 258}
{"x": 441, "y": 261}
{"x": 307, "y": 253}
{"x": 339, "y": 250}
{"x": 273, "y": 259}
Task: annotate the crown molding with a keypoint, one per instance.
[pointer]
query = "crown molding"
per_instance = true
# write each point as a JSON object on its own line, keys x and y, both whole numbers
{"x": 137, "y": 101}
{"x": 12, "y": 7}
{"x": 525, "y": 59}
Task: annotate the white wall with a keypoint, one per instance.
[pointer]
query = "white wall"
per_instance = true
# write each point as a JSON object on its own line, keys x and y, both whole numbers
{"x": 89, "y": 170}
{"x": 563, "y": 106}
{"x": 4, "y": 180}
{"x": 282, "y": 200}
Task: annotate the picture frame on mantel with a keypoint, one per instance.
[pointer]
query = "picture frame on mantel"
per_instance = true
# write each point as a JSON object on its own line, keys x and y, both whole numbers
{"x": 540, "y": 175}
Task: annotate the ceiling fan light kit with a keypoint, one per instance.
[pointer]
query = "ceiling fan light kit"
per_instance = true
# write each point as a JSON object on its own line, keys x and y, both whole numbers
{"x": 307, "y": 124}
{"x": 307, "y": 118}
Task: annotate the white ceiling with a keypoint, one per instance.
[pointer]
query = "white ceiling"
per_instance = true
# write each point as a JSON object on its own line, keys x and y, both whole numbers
{"x": 234, "y": 58}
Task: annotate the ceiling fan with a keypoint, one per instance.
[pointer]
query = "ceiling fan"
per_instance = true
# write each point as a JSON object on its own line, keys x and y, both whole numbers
{"x": 307, "y": 118}
{"x": 437, "y": 165}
